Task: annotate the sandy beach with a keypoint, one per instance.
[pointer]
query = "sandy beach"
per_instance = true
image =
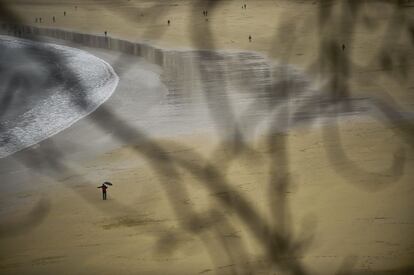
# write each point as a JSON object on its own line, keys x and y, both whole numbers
{"x": 291, "y": 153}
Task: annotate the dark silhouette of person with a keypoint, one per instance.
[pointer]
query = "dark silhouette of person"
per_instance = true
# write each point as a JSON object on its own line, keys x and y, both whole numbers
{"x": 343, "y": 47}
{"x": 54, "y": 19}
{"x": 106, "y": 33}
{"x": 206, "y": 13}
{"x": 103, "y": 187}
{"x": 168, "y": 22}
{"x": 245, "y": 6}
{"x": 36, "y": 20}
{"x": 250, "y": 38}
{"x": 40, "y": 19}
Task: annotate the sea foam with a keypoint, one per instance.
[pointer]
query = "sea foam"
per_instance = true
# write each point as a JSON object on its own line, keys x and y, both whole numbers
{"x": 45, "y": 88}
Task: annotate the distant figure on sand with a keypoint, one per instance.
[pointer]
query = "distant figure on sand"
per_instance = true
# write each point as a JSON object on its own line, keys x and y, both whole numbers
{"x": 343, "y": 47}
{"x": 245, "y": 6}
{"x": 40, "y": 19}
{"x": 168, "y": 22}
{"x": 106, "y": 33}
{"x": 103, "y": 187}
{"x": 250, "y": 38}
{"x": 36, "y": 19}
{"x": 64, "y": 13}
{"x": 54, "y": 19}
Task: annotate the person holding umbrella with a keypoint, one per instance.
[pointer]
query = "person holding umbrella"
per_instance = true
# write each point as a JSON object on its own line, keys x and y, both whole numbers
{"x": 104, "y": 187}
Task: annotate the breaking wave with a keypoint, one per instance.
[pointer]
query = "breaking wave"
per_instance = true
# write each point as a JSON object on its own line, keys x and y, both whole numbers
{"x": 45, "y": 88}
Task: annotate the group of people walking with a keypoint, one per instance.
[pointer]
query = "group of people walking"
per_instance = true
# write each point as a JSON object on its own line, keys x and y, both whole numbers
{"x": 39, "y": 19}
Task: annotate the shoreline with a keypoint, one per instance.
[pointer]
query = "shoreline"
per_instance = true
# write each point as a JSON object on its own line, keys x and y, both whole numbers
{"x": 168, "y": 58}
{"x": 16, "y": 130}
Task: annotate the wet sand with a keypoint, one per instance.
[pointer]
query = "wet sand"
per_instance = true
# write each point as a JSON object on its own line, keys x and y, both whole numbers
{"x": 199, "y": 202}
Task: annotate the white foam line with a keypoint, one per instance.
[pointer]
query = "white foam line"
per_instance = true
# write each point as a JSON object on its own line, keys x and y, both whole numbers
{"x": 98, "y": 81}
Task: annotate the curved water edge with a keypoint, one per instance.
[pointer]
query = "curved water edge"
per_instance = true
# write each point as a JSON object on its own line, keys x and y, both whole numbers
{"x": 232, "y": 88}
{"x": 40, "y": 97}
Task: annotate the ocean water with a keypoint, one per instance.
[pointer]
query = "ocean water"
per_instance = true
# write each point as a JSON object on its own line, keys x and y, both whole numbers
{"x": 45, "y": 88}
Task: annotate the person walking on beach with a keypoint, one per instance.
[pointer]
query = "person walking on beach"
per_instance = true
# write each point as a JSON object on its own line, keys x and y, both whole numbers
{"x": 343, "y": 47}
{"x": 103, "y": 187}
{"x": 106, "y": 33}
{"x": 250, "y": 38}
{"x": 54, "y": 19}
{"x": 168, "y": 22}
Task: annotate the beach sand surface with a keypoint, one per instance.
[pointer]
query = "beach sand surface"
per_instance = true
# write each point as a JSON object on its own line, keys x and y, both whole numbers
{"x": 321, "y": 199}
